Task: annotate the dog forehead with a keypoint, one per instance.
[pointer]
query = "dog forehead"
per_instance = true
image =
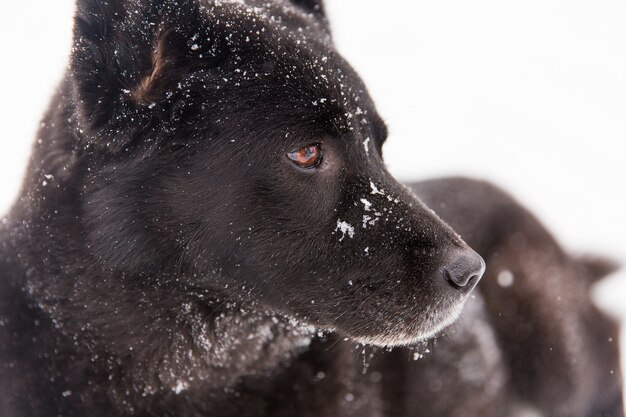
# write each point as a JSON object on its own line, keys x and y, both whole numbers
{"x": 287, "y": 55}
{"x": 282, "y": 14}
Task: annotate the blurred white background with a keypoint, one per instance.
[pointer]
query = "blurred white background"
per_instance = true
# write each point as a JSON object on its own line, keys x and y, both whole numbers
{"x": 530, "y": 95}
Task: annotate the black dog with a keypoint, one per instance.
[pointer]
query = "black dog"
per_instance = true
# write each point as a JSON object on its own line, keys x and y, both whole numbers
{"x": 207, "y": 227}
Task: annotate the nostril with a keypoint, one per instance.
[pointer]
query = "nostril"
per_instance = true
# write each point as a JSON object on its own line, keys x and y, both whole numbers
{"x": 465, "y": 270}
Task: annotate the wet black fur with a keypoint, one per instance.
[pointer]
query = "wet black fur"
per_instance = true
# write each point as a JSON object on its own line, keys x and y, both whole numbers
{"x": 164, "y": 258}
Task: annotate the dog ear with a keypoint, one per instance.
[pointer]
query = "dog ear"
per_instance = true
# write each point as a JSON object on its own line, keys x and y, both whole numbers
{"x": 128, "y": 58}
{"x": 597, "y": 268}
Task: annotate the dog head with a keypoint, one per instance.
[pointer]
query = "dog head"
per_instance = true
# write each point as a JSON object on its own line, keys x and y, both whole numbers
{"x": 229, "y": 148}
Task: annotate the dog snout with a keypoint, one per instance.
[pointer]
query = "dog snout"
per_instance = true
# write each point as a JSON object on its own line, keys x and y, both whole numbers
{"x": 464, "y": 269}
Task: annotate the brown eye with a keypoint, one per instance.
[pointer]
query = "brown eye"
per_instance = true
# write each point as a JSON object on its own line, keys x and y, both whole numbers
{"x": 306, "y": 157}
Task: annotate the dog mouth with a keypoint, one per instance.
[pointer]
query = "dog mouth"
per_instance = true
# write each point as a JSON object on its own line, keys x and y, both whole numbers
{"x": 406, "y": 334}
{"x": 384, "y": 319}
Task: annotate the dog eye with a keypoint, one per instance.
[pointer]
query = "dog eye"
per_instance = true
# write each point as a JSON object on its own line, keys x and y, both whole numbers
{"x": 307, "y": 157}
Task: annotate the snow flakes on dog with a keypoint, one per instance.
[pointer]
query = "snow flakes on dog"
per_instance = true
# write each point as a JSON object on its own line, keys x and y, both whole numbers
{"x": 344, "y": 228}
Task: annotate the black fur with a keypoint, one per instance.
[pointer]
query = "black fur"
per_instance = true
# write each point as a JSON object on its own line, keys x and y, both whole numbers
{"x": 166, "y": 259}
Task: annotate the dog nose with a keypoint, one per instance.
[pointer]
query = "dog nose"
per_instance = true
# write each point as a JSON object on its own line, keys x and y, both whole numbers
{"x": 464, "y": 270}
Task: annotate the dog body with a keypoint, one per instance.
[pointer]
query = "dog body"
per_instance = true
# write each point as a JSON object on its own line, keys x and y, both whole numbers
{"x": 207, "y": 228}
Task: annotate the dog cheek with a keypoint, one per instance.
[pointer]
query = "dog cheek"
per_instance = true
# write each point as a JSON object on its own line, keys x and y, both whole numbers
{"x": 120, "y": 214}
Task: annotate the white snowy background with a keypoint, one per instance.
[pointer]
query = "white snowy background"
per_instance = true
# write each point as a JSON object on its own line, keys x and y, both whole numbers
{"x": 530, "y": 95}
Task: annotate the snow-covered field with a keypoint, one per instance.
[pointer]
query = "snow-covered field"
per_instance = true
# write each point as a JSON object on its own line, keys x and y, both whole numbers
{"x": 531, "y": 95}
